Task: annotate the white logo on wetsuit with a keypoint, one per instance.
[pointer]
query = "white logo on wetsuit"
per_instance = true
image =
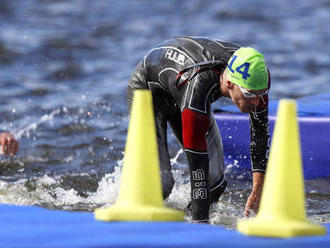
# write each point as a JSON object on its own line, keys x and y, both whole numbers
{"x": 175, "y": 56}
{"x": 200, "y": 192}
{"x": 198, "y": 174}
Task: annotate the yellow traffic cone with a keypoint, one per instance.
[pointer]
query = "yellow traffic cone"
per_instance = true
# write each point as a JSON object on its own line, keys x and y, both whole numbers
{"x": 282, "y": 207}
{"x": 140, "y": 197}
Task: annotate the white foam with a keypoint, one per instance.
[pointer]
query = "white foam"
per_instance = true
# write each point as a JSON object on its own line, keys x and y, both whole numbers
{"x": 108, "y": 190}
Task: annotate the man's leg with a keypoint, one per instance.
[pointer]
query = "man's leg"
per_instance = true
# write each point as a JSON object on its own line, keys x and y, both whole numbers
{"x": 217, "y": 179}
{"x": 161, "y": 132}
{"x": 175, "y": 122}
{"x": 163, "y": 153}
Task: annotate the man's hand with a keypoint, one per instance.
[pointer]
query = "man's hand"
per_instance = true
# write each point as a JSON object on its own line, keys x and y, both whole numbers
{"x": 253, "y": 201}
{"x": 9, "y": 145}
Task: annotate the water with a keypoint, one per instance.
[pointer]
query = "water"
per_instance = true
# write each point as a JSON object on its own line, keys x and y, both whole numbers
{"x": 64, "y": 66}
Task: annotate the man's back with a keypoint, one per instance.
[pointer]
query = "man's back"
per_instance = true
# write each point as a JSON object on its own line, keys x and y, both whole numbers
{"x": 162, "y": 65}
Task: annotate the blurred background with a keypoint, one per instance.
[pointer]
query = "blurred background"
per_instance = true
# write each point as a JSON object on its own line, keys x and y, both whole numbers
{"x": 64, "y": 67}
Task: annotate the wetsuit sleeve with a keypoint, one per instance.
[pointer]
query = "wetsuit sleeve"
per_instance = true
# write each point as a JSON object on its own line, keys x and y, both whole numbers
{"x": 195, "y": 126}
{"x": 259, "y": 140}
{"x": 259, "y": 135}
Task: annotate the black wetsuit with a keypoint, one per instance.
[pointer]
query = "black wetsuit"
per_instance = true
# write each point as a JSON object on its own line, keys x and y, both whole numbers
{"x": 183, "y": 75}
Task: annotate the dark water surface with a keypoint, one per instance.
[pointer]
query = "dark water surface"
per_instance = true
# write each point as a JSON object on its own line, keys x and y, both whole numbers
{"x": 64, "y": 66}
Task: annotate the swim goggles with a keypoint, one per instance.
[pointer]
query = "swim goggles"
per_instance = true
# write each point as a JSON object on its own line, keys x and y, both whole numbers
{"x": 249, "y": 94}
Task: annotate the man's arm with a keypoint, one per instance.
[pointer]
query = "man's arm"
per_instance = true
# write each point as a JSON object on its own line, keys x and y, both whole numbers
{"x": 194, "y": 128}
{"x": 259, "y": 149}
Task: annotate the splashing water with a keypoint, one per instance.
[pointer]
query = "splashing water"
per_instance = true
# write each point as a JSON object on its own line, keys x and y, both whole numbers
{"x": 48, "y": 191}
{"x": 33, "y": 126}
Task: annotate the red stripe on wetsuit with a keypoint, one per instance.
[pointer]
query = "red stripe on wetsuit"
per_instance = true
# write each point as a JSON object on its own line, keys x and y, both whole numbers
{"x": 195, "y": 126}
